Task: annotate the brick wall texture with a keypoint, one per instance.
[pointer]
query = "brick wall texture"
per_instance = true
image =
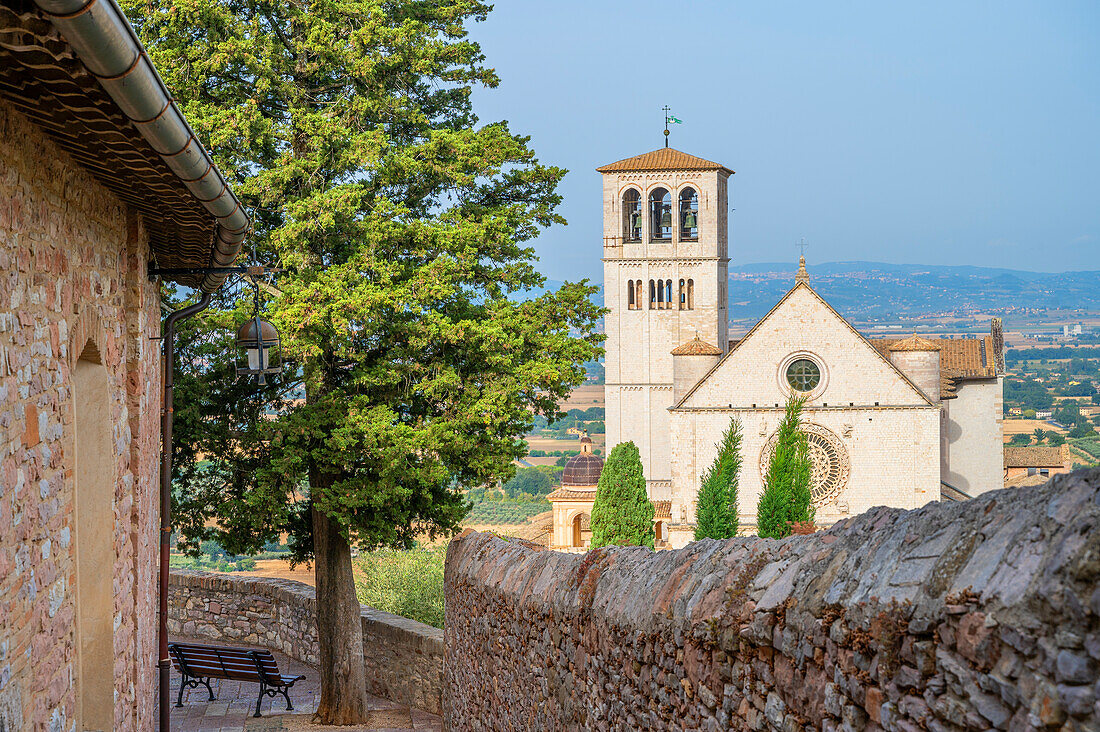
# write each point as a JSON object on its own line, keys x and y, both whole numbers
{"x": 954, "y": 616}
{"x": 72, "y": 272}
{"x": 403, "y": 658}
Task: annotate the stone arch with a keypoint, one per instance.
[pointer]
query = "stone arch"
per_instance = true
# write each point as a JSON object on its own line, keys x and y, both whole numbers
{"x": 687, "y": 213}
{"x": 93, "y": 543}
{"x": 576, "y": 529}
{"x": 85, "y": 338}
{"x": 632, "y": 214}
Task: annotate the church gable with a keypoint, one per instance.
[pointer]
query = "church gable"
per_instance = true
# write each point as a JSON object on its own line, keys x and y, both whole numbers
{"x": 803, "y": 327}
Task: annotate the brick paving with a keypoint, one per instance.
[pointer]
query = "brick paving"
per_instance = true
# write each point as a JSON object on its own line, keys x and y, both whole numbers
{"x": 235, "y": 703}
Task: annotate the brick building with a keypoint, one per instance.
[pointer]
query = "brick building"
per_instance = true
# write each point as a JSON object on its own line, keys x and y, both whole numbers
{"x": 100, "y": 176}
{"x": 1037, "y": 460}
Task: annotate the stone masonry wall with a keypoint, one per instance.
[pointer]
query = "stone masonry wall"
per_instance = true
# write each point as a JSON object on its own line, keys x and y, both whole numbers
{"x": 403, "y": 658}
{"x": 968, "y": 616}
{"x": 72, "y": 280}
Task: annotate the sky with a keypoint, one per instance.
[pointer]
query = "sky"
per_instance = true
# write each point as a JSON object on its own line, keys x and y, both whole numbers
{"x": 931, "y": 133}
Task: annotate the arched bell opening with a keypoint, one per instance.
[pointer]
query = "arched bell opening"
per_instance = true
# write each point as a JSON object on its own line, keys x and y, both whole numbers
{"x": 689, "y": 215}
{"x": 632, "y": 215}
{"x": 660, "y": 215}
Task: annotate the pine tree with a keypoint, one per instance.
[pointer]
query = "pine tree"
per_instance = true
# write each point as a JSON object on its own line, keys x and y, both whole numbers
{"x": 414, "y": 322}
{"x": 716, "y": 505}
{"x": 622, "y": 514}
{"x": 786, "y": 498}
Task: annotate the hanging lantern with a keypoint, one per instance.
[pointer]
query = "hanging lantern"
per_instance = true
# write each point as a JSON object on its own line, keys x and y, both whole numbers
{"x": 258, "y": 343}
{"x": 689, "y": 219}
{"x": 666, "y": 217}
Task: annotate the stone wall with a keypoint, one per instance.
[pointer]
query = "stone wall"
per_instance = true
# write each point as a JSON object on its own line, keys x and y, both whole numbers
{"x": 976, "y": 615}
{"x": 403, "y": 658}
{"x": 73, "y": 286}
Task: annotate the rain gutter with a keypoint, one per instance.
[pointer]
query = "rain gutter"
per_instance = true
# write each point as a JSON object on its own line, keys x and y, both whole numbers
{"x": 104, "y": 40}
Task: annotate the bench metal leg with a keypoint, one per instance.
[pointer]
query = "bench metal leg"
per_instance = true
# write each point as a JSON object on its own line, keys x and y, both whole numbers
{"x": 259, "y": 699}
{"x": 289, "y": 706}
{"x": 183, "y": 685}
{"x": 207, "y": 682}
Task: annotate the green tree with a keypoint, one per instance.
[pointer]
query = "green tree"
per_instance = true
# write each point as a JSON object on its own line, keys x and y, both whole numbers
{"x": 1040, "y": 434}
{"x": 528, "y": 480}
{"x": 622, "y": 513}
{"x": 1056, "y": 439}
{"x": 786, "y": 498}
{"x": 402, "y": 225}
{"x": 716, "y": 506}
{"x": 1019, "y": 439}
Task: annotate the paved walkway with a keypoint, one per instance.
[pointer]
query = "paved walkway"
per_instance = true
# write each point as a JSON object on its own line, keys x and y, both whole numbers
{"x": 236, "y": 702}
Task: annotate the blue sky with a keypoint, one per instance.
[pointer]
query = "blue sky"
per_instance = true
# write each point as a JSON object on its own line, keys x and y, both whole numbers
{"x": 937, "y": 132}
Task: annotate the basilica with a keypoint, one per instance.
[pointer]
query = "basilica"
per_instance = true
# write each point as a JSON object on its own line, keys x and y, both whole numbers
{"x": 895, "y": 422}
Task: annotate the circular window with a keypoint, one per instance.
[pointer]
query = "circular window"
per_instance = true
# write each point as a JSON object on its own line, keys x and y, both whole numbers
{"x": 803, "y": 375}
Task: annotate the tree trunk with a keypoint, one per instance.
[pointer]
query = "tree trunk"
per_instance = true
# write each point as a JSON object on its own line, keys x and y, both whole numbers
{"x": 340, "y": 631}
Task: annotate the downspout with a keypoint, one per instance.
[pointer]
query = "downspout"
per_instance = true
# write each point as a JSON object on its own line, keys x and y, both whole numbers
{"x": 163, "y": 662}
{"x": 103, "y": 39}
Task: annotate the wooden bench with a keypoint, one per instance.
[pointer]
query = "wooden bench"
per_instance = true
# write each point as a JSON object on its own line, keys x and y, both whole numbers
{"x": 198, "y": 664}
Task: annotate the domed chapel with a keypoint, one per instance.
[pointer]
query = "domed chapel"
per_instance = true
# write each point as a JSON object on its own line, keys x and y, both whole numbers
{"x": 895, "y": 422}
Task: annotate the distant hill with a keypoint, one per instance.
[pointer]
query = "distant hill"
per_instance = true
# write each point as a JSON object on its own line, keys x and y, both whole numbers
{"x": 875, "y": 290}
{"x": 880, "y": 291}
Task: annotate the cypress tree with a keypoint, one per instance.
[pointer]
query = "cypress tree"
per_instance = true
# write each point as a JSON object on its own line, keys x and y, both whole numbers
{"x": 786, "y": 496}
{"x": 716, "y": 504}
{"x": 622, "y": 514}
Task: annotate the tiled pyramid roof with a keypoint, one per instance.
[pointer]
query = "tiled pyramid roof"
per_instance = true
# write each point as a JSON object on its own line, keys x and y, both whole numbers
{"x": 696, "y": 347}
{"x": 663, "y": 158}
{"x": 915, "y": 343}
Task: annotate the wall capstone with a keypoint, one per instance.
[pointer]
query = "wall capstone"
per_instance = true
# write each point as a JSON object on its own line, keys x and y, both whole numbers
{"x": 403, "y": 658}
{"x": 976, "y": 615}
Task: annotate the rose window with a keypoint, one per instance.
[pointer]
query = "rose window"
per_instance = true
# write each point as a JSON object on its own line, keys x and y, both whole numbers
{"x": 829, "y": 466}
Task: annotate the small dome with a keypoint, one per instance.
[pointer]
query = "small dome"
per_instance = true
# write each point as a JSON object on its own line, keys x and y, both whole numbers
{"x": 915, "y": 343}
{"x": 582, "y": 470}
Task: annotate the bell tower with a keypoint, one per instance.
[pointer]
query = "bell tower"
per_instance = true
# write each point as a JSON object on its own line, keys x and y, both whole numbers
{"x": 665, "y": 258}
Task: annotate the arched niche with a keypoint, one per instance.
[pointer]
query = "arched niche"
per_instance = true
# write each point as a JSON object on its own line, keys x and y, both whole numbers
{"x": 94, "y": 474}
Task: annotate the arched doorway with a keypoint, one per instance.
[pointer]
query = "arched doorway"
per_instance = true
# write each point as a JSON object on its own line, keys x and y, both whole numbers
{"x": 93, "y": 500}
{"x": 660, "y": 535}
{"x": 578, "y": 529}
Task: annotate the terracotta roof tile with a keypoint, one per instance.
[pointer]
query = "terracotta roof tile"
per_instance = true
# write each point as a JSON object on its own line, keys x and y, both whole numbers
{"x": 663, "y": 158}
{"x": 663, "y": 510}
{"x": 960, "y": 358}
{"x": 572, "y": 494}
{"x": 582, "y": 470}
{"x": 1037, "y": 456}
{"x": 915, "y": 343}
{"x": 696, "y": 347}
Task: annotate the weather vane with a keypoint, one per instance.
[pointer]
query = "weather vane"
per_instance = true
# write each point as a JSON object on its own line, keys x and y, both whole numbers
{"x": 669, "y": 119}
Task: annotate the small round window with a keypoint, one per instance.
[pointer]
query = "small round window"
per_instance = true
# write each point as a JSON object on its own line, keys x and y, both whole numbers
{"x": 803, "y": 375}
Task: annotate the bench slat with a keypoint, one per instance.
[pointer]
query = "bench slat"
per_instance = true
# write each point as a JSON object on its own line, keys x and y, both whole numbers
{"x": 227, "y": 663}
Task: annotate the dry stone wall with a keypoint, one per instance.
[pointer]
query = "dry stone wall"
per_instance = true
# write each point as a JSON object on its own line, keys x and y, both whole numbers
{"x": 970, "y": 616}
{"x": 403, "y": 658}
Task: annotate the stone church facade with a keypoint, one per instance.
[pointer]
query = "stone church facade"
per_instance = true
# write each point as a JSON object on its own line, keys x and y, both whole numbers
{"x": 889, "y": 422}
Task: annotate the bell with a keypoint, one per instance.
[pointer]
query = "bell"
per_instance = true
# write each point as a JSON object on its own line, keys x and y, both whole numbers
{"x": 666, "y": 219}
{"x": 689, "y": 220}
{"x": 636, "y": 220}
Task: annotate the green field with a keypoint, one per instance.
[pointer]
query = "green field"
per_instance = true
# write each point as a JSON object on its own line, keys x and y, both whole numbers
{"x": 505, "y": 512}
